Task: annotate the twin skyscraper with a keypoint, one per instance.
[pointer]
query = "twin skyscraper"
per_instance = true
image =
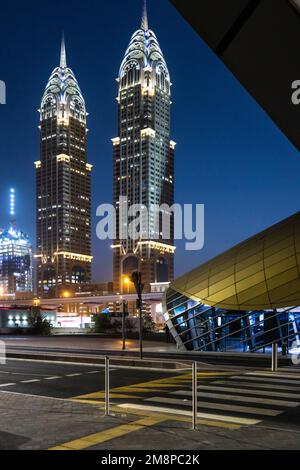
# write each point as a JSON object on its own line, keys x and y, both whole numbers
{"x": 143, "y": 171}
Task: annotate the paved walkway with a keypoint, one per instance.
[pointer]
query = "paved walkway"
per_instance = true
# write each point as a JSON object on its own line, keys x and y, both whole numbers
{"x": 85, "y": 343}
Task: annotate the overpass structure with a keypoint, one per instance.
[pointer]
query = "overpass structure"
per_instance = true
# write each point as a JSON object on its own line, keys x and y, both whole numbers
{"x": 82, "y": 306}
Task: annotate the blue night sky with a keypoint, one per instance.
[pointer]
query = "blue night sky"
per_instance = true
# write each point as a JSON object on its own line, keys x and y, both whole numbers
{"x": 230, "y": 156}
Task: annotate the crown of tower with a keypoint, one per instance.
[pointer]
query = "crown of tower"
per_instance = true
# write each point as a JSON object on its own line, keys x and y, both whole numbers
{"x": 144, "y": 50}
{"x": 62, "y": 93}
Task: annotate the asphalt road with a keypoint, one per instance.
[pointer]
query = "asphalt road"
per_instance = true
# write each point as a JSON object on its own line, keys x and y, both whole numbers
{"x": 235, "y": 396}
{"x": 62, "y": 380}
{"x": 237, "y": 404}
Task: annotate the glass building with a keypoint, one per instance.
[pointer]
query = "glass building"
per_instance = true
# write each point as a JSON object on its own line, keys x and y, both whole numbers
{"x": 15, "y": 262}
{"x": 244, "y": 299}
{"x": 143, "y": 158}
{"x": 15, "y": 257}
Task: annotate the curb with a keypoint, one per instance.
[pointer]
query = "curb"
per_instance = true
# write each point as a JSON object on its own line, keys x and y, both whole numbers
{"x": 153, "y": 364}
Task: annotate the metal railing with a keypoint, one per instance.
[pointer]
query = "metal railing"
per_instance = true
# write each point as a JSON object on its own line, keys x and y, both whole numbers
{"x": 274, "y": 357}
{"x": 274, "y": 368}
{"x": 107, "y": 386}
{"x": 194, "y": 391}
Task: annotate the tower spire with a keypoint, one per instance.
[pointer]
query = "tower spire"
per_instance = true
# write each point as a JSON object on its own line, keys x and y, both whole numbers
{"x": 63, "y": 55}
{"x": 145, "y": 24}
{"x": 12, "y": 207}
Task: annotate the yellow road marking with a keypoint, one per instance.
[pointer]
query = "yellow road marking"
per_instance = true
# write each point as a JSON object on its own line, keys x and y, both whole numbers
{"x": 101, "y": 395}
{"x": 148, "y": 386}
{"x": 109, "y": 434}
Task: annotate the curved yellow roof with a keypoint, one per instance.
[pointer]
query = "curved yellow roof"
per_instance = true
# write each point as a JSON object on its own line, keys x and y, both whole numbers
{"x": 259, "y": 274}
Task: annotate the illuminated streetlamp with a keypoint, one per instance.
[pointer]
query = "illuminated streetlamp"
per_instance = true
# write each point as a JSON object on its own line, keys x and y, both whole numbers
{"x": 66, "y": 294}
{"x": 124, "y": 312}
{"x": 126, "y": 282}
{"x": 136, "y": 278}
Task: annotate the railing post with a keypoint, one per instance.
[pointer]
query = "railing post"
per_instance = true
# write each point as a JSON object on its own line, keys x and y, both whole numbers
{"x": 274, "y": 357}
{"x": 195, "y": 395}
{"x": 106, "y": 386}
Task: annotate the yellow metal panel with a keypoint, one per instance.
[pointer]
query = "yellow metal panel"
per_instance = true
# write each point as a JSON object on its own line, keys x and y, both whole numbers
{"x": 265, "y": 262}
{"x": 250, "y": 271}
{"x": 251, "y": 281}
{"x": 282, "y": 267}
{"x": 219, "y": 286}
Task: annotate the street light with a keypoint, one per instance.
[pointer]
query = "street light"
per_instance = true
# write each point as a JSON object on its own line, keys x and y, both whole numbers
{"x": 136, "y": 278}
{"x": 66, "y": 294}
{"x": 124, "y": 312}
{"x": 126, "y": 281}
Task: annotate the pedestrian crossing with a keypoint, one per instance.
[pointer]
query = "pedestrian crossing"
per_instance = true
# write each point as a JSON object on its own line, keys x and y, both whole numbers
{"x": 224, "y": 398}
{"x": 245, "y": 399}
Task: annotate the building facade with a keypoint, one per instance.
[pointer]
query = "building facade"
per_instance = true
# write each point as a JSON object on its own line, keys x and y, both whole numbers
{"x": 143, "y": 161}
{"x": 15, "y": 258}
{"x": 15, "y": 263}
{"x": 243, "y": 300}
{"x": 63, "y": 186}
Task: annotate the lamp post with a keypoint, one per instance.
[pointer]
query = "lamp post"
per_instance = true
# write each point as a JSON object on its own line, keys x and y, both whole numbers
{"x": 124, "y": 312}
{"x": 136, "y": 278}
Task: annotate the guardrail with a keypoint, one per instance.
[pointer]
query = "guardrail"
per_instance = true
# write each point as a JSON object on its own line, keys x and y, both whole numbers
{"x": 194, "y": 371}
{"x": 194, "y": 383}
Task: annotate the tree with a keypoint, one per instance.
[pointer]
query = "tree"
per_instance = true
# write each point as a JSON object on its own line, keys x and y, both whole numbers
{"x": 38, "y": 324}
{"x": 148, "y": 323}
{"x": 102, "y": 323}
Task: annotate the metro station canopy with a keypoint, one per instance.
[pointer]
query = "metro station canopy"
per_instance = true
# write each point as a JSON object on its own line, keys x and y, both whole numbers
{"x": 260, "y": 273}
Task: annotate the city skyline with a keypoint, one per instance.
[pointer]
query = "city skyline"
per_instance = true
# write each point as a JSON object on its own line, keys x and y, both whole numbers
{"x": 228, "y": 182}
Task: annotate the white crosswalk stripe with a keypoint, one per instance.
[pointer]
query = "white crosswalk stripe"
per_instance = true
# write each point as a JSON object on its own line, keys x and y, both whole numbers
{"x": 217, "y": 406}
{"x": 239, "y": 398}
{"x": 248, "y": 391}
{"x": 265, "y": 380}
{"x": 214, "y": 417}
{"x": 275, "y": 374}
{"x": 256, "y": 386}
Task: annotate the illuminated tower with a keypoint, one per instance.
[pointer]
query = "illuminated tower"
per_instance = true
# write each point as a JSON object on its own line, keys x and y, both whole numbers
{"x": 63, "y": 186}
{"x": 15, "y": 258}
{"x": 143, "y": 157}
